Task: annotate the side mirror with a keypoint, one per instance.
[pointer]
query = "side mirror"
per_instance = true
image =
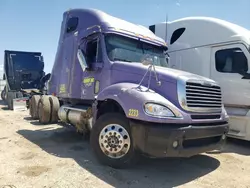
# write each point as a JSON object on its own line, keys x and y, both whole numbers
{"x": 82, "y": 60}
{"x": 43, "y": 81}
{"x": 167, "y": 57}
{"x": 46, "y": 78}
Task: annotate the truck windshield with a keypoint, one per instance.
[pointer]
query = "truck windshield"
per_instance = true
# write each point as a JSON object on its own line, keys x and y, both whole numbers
{"x": 130, "y": 50}
{"x": 27, "y": 61}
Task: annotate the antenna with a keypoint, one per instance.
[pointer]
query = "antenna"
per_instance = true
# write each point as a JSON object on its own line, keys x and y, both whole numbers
{"x": 166, "y": 38}
{"x": 166, "y": 28}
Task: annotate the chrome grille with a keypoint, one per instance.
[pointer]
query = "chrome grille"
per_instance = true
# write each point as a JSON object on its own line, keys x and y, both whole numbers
{"x": 202, "y": 96}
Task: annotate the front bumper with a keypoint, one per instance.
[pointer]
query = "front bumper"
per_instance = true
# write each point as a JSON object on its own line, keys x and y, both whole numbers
{"x": 159, "y": 140}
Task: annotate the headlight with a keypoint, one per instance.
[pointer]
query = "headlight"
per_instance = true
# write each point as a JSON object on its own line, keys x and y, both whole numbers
{"x": 158, "y": 110}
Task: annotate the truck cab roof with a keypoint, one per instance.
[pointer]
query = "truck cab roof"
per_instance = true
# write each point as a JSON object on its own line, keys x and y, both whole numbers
{"x": 192, "y": 32}
{"x": 100, "y": 18}
{"x": 21, "y": 52}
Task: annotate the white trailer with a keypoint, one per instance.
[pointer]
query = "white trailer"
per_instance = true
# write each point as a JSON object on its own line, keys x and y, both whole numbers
{"x": 219, "y": 50}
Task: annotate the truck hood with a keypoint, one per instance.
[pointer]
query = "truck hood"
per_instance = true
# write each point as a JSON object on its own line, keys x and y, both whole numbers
{"x": 163, "y": 73}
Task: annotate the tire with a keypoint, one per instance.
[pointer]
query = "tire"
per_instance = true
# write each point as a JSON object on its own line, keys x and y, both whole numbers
{"x": 121, "y": 122}
{"x": 44, "y": 110}
{"x": 34, "y": 106}
{"x": 3, "y": 94}
{"x": 10, "y": 97}
{"x": 55, "y": 105}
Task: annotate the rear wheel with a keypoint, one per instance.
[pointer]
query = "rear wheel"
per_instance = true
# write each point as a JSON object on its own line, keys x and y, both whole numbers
{"x": 44, "y": 110}
{"x": 112, "y": 142}
{"x": 3, "y": 94}
{"x": 10, "y": 97}
{"x": 55, "y": 105}
{"x": 34, "y": 106}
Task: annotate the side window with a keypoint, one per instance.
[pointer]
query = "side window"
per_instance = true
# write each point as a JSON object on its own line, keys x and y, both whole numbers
{"x": 93, "y": 51}
{"x": 176, "y": 35}
{"x": 231, "y": 60}
{"x": 72, "y": 24}
{"x": 152, "y": 28}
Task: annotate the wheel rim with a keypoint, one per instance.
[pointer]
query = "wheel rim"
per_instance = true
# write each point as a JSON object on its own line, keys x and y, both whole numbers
{"x": 114, "y": 141}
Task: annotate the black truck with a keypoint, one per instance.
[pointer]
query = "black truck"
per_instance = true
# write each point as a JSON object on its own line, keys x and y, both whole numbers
{"x": 24, "y": 75}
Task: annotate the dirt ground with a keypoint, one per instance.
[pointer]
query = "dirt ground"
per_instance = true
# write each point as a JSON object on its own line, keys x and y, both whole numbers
{"x": 54, "y": 156}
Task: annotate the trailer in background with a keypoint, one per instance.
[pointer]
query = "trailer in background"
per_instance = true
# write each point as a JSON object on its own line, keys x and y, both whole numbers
{"x": 219, "y": 50}
{"x": 24, "y": 76}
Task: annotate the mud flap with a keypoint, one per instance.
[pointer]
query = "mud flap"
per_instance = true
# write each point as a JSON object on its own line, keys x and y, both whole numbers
{"x": 20, "y": 104}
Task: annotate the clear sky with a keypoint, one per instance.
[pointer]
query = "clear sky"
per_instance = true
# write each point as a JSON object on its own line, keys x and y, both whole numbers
{"x": 33, "y": 25}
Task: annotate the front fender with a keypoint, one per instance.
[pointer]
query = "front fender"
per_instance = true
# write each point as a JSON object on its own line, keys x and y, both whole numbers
{"x": 133, "y": 99}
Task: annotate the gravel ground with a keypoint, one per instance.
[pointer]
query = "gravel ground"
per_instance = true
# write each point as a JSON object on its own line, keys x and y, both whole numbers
{"x": 51, "y": 156}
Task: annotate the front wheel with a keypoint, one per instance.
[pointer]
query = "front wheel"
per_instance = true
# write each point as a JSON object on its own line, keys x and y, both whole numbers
{"x": 112, "y": 142}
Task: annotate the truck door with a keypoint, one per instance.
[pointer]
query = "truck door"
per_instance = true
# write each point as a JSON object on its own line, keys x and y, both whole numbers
{"x": 226, "y": 62}
{"x": 92, "y": 76}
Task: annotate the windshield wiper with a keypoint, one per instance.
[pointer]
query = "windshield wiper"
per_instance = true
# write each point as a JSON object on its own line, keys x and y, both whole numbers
{"x": 119, "y": 59}
{"x": 246, "y": 76}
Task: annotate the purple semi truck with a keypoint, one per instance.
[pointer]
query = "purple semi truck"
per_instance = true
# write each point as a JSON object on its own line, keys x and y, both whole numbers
{"x": 110, "y": 80}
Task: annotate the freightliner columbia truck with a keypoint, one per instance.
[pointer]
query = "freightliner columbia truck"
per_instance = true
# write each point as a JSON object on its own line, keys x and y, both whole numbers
{"x": 110, "y": 80}
{"x": 24, "y": 75}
